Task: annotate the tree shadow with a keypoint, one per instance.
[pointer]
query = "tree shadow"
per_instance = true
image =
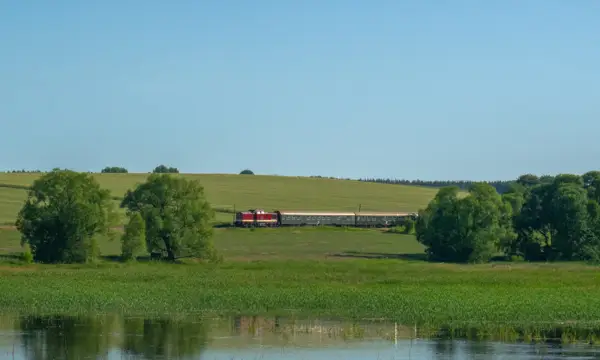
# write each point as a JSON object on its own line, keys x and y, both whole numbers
{"x": 223, "y": 225}
{"x": 394, "y": 232}
{"x": 140, "y": 259}
{"x": 11, "y": 258}
{"x": 377, "y": 255}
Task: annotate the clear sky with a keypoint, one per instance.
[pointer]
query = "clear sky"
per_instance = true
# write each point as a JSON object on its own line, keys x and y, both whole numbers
{"x": 404, "y": 89}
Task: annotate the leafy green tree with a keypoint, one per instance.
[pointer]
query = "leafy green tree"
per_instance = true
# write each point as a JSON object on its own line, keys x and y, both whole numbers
{"x": 563, "y": 179}
{"x": 591, "y": 182}
{"x": 515, "y": 196}
{"x": 558, "y": 222}
{"x": 114, "y": 170}
{"x": 133, "y": 242}
{"x": 465, "y": 230}
{"x": 177, "y": 216}
{"x": 546, "y": 179}
{"x": 64, "y": 214}
{"x": 434, "y": 228}
{"x": 162, "y": 169}
{"x": 247, "y": 172}
{"x": 528, "y": 180}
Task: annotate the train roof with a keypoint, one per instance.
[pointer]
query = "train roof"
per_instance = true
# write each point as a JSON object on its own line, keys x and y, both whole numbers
{"x": 380, "y": 213}
{"x": 315, "y": 213}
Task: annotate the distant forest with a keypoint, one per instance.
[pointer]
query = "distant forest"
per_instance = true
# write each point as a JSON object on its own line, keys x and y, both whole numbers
{"x": 501, "y": 186}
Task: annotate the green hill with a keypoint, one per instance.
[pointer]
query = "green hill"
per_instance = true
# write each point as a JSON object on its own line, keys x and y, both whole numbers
{"x": 225, "y": 191}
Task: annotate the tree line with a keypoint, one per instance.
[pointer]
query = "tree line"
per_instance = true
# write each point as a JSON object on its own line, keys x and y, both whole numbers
{"x": 500, "y": 185}
{"x": 548, "y": 218}
{"x": 23, "y": 171}
{"x": 160, "y": 169}
{"x": 66, "y": 213}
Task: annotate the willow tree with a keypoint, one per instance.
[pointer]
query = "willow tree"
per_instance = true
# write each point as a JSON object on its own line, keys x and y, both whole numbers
{"x": 177, "y": 216}
{"x": 64, "y": 215}
{"x": 467, "y": 229}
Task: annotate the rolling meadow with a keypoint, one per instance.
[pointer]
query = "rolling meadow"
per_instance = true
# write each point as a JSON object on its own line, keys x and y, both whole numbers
{"x": 225, "y": 192}
{"x": 320, "y": 272}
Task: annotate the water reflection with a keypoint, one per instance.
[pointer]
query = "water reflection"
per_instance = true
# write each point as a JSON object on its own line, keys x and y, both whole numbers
{"x": 64, "y": 337}
{"x": 116, "y": 337}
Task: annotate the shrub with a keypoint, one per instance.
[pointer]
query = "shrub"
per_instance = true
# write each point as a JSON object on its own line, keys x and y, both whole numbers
{"x": 27, "y": 256}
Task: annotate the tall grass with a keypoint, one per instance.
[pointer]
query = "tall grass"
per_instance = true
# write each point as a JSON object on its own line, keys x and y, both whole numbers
{"x": 408, "y": 292}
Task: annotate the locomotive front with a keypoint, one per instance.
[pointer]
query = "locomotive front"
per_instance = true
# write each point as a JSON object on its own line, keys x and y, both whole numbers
{"x": 257, "y": 217}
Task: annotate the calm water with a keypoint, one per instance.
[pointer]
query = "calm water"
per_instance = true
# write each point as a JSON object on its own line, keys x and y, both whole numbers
{"x": 116, "y": 337}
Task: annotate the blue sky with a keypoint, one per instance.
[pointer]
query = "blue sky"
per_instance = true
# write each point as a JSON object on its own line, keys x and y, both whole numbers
{"x": 405, "y": 89}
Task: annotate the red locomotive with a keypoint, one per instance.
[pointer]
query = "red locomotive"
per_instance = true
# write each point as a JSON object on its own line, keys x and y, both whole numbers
{"x": 255, "y": 217}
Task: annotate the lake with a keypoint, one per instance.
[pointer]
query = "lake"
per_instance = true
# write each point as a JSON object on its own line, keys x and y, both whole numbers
{"x": 113, "y": 336}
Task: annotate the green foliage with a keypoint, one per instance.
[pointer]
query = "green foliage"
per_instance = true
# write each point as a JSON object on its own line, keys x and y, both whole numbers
{"x": 162, "y": 169}
{"x": 26, "y": 255}
{"x": 464, "y": 230}
{"x": 558, "y": 221}
{"x": 409, "y": 226}
{"x": 177, "y": 216}
{"x": 528, "y": 180}
{"x": 538, "y": 218}
{"x": 247, "y": 172}
{"x": 63, "y": 214}
{"x": 114, "y": 170}
{"x": 591, "y": 181}
{"x": 133, "y": 241}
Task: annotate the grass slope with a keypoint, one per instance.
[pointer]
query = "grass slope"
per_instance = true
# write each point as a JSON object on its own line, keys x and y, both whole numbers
{"x": 254, "y": 191}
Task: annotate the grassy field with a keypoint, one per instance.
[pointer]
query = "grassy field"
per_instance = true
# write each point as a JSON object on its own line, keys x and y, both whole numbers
{"x": 310, "y": 272}
{"x": 278, "y": 244}
{"x": 247, "y": 191}
{"x": 348, "y": 273}
{"x": 407, "y": 291}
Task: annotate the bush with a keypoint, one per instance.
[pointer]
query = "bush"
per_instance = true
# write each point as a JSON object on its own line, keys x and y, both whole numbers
{"x": 246, "y": 172}
{"x": 27, "y": 256}
{"x": 409, "y": 226}
{"x": 162, "y": 169}
{"x": 114, "y": 170}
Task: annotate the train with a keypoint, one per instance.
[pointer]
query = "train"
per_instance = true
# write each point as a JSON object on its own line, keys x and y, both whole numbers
{"x": 261, "y": 218}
